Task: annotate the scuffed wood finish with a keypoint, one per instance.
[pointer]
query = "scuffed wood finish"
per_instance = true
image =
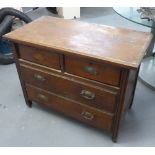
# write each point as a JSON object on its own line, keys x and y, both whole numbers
{"x": 40, "y": 56}
{"x": 69, "y": 76}
{"x": 96, "y": 71}
{"x": 16, "y": 56}
{"x": 103, "y": 99}
{"x": 86, "y": 71}
{"x": 113, "y": 45}
{"x": 79, "y": 111}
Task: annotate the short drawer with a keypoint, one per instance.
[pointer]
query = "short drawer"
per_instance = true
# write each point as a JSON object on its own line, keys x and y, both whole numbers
{"x": 92, "y": 70}
{"x": 85, "y": 93}
{"x": 39, "y": 56}
{"x": 80, "y": 112}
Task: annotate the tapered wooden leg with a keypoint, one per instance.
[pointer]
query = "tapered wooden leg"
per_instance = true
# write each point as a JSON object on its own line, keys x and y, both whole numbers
{"x": 29, "y": 103}
{"x": 16, "y": 55}
{"x": 131, "y": 102}
{"x": 114, "y": 139}
{"x": 119, "y": 107}
{"x": 133, "y": 93}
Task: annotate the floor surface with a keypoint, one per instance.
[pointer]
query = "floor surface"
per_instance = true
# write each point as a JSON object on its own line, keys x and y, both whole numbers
{"x": 37, "y": 126}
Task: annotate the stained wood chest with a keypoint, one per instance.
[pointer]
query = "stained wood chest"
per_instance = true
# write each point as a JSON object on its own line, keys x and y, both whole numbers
{"x": 85, "y": 71}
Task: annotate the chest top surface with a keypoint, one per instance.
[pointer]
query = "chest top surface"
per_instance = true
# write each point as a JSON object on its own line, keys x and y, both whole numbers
{"x": 116, "y": 45}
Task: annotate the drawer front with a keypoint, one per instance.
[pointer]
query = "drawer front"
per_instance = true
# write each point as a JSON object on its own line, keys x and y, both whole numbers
{"x": 81, "y": 112}
{"x": 43, "y": 57}
{"x": 91, "y": 70}
{"x": 82, "y": 92}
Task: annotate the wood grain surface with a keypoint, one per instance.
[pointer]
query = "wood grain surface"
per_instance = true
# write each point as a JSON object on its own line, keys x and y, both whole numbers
{"x": 115, "y": 45}
{"x": 81, "y": 112}
{"x": 66, "y": 87}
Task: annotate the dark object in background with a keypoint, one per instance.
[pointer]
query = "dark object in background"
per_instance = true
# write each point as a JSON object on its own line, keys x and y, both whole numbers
{"x": 5, "y": 46}
{"x": 52, "y": 9}
{"x": 147, "y": 13}
{"x": 6, "y": 59}
{"x": 5, "y": 25}
{"x": 7, "y": 17}
{"x": 6, "y": 56}
{"x": 13, "y": 12}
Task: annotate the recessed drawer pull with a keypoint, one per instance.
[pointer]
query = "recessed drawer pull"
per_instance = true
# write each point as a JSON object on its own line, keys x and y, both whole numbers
{"x": 43, "y": 97}
{"x": 87, "y": 115}
{"x": 39, "y": 77}
{"x": 87, "y": 94}
{"x": 90, "y": 70}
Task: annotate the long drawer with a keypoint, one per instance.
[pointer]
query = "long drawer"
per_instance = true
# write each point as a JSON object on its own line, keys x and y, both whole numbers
{"x": 40, "y": 56}
{"x": 81, "y": 112}
{"x": 68, "y": 87}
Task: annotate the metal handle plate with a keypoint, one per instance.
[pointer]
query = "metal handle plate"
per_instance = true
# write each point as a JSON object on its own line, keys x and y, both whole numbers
{"x": 90, "y": 70}
{"x": 87, "y": 94}
{"x": 39, "y": 77}
{"x": 38, "y": 57}
{"x": 87, "y": 115}
{"x": 43, "y": 97}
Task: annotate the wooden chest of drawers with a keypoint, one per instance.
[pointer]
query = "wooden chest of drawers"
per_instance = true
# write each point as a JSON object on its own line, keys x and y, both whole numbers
{"x": 85, "y": 71}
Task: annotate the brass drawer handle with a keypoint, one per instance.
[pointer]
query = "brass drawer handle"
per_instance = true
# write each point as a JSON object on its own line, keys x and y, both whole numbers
{"x": 39, "y": 77}
{"x": 90, "y": 70}
{"x": 87, "y": 94}
{"x": 43, "y": 97}
{"x": 87, "y": 115}
{"x": 38, "y": 56}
